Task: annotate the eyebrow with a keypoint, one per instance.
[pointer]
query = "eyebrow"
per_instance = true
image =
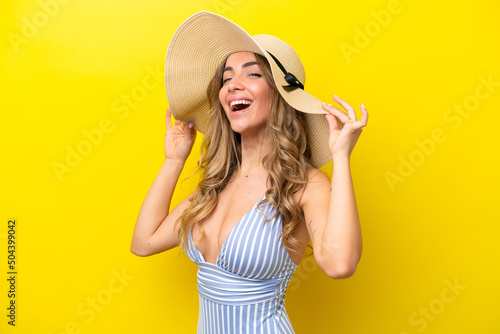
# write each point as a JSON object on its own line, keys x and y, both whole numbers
{"x": 250, "y": 63}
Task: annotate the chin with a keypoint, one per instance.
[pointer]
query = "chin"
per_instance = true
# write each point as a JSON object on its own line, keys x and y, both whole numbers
{"x": 238, "y": 129}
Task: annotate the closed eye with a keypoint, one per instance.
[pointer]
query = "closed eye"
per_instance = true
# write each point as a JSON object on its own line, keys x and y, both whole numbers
{"x": 257, "y": 75}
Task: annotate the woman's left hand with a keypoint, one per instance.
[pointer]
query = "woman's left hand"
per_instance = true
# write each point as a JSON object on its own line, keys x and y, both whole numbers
{"x": 342, "y": 141}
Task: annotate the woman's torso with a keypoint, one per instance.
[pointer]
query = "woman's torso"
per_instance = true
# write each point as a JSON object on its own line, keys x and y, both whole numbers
{"x": 234, "y": 201}
{"x": 243, "y": 267}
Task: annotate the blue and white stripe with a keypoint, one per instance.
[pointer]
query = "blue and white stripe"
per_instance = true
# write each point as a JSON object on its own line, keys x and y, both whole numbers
{"x": 244, "y": 291}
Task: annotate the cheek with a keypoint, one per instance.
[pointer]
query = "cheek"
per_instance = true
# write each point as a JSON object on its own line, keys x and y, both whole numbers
{"x": 221, "y": 96}
{"x": 264, "y": 92}
{"x": 266, "y": 99}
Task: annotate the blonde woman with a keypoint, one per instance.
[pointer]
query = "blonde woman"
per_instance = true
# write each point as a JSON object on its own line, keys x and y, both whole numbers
{"x": 262, "y": 198}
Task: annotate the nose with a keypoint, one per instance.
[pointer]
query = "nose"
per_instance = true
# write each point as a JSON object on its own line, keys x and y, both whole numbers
{"x": 235, "y": 84}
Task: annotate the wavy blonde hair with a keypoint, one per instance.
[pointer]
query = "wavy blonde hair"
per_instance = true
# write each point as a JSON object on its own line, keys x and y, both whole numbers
{"x": 220, "y": 157}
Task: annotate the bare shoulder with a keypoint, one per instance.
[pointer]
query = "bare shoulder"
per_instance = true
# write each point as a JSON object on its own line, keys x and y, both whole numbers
{"x": 316, "y": 175}
{"x": 318, "y": 184}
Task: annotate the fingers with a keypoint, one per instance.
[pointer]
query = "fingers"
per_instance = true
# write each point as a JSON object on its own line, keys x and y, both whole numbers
{"x": 335, "y": 112}
{"x": 364, "y": 117}
{"x": 188, "y": 129}
{"x": 350, "y": 110}
{"x": 192, "y": 132}
{"x": 168, "y": 119}
{"x": 332, "y": 122}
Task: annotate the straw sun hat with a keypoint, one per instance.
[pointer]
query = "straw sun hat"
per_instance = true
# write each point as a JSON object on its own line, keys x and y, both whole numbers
{"x": 203, "y": 41}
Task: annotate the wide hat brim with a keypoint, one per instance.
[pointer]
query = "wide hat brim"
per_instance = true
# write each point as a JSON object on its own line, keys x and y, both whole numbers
{"x": 200, "y": 45}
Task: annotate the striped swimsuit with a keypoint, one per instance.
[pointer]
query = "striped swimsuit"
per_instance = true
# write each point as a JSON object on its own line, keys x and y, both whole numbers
{"x": 244, "y": 291}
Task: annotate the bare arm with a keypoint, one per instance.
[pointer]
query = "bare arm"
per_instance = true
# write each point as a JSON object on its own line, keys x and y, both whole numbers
{"x": 332, "y": 214}
{"x": 342, "y": 242}
{"x": 332, "y": 220}
{"x": 154, "y": 230}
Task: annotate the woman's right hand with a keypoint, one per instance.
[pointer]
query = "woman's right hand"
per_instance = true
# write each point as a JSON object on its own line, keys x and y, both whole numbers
{"x": 179, "y": 139}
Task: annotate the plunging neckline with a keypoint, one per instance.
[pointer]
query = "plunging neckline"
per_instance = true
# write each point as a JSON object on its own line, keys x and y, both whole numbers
{"x": 228, "y": 236}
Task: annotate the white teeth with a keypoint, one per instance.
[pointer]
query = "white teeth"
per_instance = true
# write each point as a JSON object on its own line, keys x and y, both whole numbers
{"x": 239, "y": 102}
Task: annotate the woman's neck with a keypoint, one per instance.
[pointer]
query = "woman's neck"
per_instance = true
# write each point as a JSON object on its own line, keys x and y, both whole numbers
{"x": 253, "y": 150}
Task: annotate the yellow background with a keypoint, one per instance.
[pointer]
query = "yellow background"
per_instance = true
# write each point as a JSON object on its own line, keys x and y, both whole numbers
{"x": 67, "y": 68}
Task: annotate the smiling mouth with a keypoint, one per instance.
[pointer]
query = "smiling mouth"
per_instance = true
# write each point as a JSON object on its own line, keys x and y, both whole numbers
{"x": 239, "y": 105}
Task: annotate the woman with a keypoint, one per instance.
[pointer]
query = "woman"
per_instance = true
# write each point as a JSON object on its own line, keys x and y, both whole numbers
{"x": 261, "y": 198}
